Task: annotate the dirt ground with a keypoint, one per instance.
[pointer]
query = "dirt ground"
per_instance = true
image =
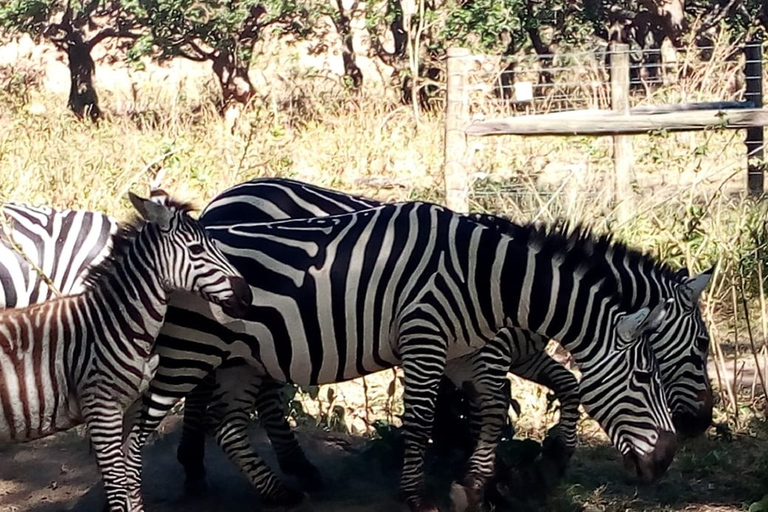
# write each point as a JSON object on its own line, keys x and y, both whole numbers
{"x": 59, "y": 474}
{"x": 718, "y": 473}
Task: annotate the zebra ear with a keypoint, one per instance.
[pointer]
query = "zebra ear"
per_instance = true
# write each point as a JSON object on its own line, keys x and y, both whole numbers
{"x": 152, "y": 211}
{"x": 634, "y": 325}
{"x": 695, "y": 285}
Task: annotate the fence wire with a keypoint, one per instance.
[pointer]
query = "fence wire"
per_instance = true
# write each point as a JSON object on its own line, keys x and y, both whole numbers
{"x": 574, "y": 175}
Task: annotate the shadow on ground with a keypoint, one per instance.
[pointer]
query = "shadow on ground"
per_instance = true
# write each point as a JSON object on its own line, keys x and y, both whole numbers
{"x": 713, "y": 474}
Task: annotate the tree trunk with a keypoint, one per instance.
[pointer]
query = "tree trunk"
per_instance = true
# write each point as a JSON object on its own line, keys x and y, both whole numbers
{"x": 343, "y": 26}
{"x": 236, "y": 86}
{"x": 83, "y": 100}
{"x": 351, "y": 69}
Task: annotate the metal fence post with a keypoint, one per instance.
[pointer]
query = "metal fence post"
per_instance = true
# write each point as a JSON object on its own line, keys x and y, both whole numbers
{"x": 753, "y": 76}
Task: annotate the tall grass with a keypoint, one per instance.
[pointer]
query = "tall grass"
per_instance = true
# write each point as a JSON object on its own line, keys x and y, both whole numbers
{"x": 690, "y": 206}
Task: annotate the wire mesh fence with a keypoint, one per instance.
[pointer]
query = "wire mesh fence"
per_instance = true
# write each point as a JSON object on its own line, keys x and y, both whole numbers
{"x": 575, "y": 175}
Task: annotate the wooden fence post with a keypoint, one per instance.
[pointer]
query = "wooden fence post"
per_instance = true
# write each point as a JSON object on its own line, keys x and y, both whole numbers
{"x": 456, "y": 119}
{"x": 623, "y": 158}
{"x": 753, "y": 76}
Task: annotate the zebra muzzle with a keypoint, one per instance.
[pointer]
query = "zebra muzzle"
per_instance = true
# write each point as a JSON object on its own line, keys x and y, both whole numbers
{"x": 239, "y": 303}
{"x": 648, "y": 468}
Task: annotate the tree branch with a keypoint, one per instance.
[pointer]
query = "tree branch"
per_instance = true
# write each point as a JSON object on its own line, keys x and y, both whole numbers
{"x": 719, "y": 15}
{"x": 108, "y": 33}
{"x": 202, "y": 54}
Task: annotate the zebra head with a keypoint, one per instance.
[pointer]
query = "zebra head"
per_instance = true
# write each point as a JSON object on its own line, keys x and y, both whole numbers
{"x": 681, "y": 345}
{"x": 189, "y": 260}
{"x": 633, "y": 412}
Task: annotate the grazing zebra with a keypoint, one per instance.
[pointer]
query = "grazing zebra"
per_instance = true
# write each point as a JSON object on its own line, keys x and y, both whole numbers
{"x": 86, "y": 358}
{"x": 414, "y": 284}
{"x": 681, "y": 345}
{"x": 280, "y": 198}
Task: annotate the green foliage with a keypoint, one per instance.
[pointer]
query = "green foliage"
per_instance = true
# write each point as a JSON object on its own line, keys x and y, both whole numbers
{"x": 28, "y": 16}
{"x": 479, "y": 23}
{"x": 201, "y": 29}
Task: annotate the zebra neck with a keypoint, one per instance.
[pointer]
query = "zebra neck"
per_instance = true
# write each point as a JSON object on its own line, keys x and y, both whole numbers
{"x": 549, "y": 294}
{"x": 129, "y": 299}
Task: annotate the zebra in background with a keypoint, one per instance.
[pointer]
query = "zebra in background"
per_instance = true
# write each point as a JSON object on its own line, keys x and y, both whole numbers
{"x": 46, "y": 252}
{"x": 426, "y": 285}
{"x": 681, "y": 345}
{"x": 86, "y": 358}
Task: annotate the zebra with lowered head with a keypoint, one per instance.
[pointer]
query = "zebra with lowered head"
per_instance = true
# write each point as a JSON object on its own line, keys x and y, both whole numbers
{"x": 680, "y": 344}
{"x": 416, "y": 285}
{"x": 86, "y": 358}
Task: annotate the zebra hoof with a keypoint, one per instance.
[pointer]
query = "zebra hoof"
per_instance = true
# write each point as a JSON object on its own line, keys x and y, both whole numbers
{"x": 467, "y": 497}
{"x": 306, "y": 473}
{"x": 558, "y": 453}
{"x": 197, "y": 486}
{"x": 424, "y": 506}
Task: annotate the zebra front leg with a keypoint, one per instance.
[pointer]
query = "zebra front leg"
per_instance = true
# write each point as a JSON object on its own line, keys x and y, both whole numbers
{"x": 232, "y": 436}
{"x": 560, "y": 442}
{"x": 423, "y": 365}
{"x": 155, "y": 405}
{"x": 486, "y": 372}
{"x": 104, "y": 419}
{"x": 290, "y": 456}
{"x": 191, "y": 450}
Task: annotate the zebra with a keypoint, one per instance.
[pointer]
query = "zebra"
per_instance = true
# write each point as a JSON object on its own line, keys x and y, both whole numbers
{"x": 683, "y": 364}
{"x": 281, "y": 198}
{"x": 86, "y": 358}
{"x": 424, "y": 300}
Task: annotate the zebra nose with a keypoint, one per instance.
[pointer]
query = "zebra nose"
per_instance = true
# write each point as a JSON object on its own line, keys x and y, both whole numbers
{"x": 239, "y": 303}
{"x": 650, "y": 467}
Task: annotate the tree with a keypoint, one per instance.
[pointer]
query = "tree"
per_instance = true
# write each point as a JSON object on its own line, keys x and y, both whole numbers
{"x": 222, "y": 33}
{"x": 341, "y": 16}
{"x": 75, "y": 27}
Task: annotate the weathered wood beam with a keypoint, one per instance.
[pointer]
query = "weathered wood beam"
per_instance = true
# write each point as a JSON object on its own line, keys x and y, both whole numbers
{"x": 591, "y": 122}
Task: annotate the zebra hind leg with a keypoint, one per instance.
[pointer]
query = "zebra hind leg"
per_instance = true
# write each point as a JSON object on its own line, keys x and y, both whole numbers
{"x": 486, "y": 371}
{"x": 191, "y": 450}
{"x": 419, "y": 396}
{"x": 290, "y": 456}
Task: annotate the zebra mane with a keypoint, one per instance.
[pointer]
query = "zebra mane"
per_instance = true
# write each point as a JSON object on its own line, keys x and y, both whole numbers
{"x": 563, "y": 236}
{"x": 119, "y": 243}
{"x": 159, "y": 195}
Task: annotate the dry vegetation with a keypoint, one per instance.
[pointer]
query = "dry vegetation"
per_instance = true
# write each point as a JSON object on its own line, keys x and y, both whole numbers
{"x": 690, "y": 211}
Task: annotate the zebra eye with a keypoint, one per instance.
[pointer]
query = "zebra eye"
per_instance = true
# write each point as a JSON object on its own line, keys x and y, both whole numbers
{"x": 702, "y": 343}
{"x": 643, "y": 376}
{"x": 196, "y": 249}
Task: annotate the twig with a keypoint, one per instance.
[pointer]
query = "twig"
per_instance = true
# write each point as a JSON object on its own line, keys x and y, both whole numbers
{"x": 7, "y": 227}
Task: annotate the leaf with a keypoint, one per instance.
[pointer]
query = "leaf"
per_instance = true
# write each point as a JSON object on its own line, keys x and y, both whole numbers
{"x": 760, "y": 506}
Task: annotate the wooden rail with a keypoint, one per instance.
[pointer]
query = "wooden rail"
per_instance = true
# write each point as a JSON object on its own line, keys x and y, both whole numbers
{"x": 620, "y": 122}
{"x": 598, "y": 122}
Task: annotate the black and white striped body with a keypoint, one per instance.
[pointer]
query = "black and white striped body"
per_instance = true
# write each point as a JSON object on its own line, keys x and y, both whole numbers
{"x": 678, "y": 344}
{"x": 88, "y": 357}
{"x": 42, "y": 245}
{"x": 412, "y": 284}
